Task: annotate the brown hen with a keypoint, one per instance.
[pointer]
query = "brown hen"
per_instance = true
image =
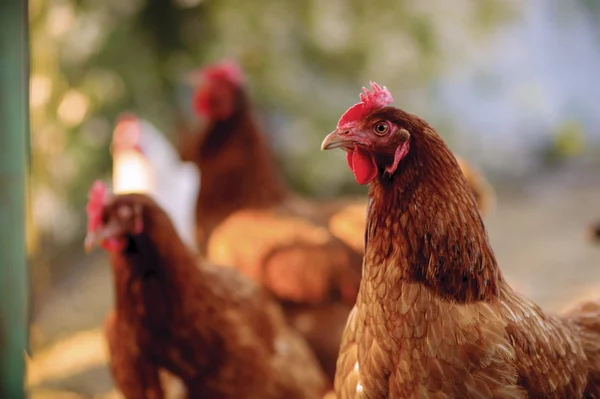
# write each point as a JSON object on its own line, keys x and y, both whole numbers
{"x": 246, "y": 217}
{"x": 434, "y": 317}
{"x": 210, "y": 326}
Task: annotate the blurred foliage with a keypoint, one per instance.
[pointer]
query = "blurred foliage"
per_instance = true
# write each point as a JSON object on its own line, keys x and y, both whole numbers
{"x": 567, "y": 142}
{"x": 304, "y": 61}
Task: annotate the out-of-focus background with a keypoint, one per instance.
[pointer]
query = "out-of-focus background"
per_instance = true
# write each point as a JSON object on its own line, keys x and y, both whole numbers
{"x": 512, "y": 86}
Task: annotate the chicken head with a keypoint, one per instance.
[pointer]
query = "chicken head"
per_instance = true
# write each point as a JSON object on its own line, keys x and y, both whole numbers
{"x": 372, "y": 138}
{"x": 216, "y": 96}
{"x": 112, "y": 220}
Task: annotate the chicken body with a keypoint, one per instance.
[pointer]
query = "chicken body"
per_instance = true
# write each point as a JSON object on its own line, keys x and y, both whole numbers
{"x": 434, "y": 317}
{"x": 407, "y": 338}
{"x": 216, "y": 330}
{"x": 411, "y": 343}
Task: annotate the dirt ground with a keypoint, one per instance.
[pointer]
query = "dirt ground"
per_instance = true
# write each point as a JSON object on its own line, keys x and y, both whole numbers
{"x": 538, "y": 233}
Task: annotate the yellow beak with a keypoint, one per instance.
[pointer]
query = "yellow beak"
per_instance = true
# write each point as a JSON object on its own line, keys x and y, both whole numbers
{"x": 95, "y": 239}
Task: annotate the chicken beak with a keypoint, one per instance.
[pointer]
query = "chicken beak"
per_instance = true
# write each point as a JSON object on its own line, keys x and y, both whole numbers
{"x": 338, "y": 139}
{"x": 92, "y": 240}
{"x": 96, "y": 238}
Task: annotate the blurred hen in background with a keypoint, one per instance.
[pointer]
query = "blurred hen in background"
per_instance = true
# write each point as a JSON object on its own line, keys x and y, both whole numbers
{"x": 210, "y": 326}
{"x": 247, "y": 217}
{"x": 144, "y": 161}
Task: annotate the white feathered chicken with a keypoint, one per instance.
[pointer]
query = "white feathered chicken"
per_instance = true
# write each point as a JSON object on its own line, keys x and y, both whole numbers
{"x": 144, "y": 161}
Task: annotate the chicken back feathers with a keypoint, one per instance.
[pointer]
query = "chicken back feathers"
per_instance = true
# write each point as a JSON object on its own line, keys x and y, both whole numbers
{"x": 434, "y": 316}
{"x": 210, "y": 326}
{"x": 297, "y": 260}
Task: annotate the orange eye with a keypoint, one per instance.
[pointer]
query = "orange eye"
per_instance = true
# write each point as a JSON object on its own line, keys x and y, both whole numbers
{"x": 381, "y": 128}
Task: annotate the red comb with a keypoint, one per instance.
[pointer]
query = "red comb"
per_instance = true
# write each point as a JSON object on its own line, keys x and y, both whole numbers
{"x": 227, "y": 70}
{"x": 127, "y": 133}
{"x": 369, "y": 101}
{"x": 97, "y": 197}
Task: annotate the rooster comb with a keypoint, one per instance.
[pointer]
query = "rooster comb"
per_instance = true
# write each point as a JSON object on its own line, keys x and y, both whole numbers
{"x": 379, "y": 97}
{"x": 227, "y": 70}
{"x": 127, "y": 132}
{"x": 126, "y": 116}
{"x": 97, "y": 198}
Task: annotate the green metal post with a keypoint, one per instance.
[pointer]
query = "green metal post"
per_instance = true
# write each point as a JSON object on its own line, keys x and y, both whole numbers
{"x": 14, "y": 131}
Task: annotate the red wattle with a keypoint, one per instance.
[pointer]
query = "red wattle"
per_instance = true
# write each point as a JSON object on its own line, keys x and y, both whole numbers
{"x": 349, "y": 159}
{"x": 115, "y": 244}
{"x": 201, "y": 102}
{"x": 362, "y": 164}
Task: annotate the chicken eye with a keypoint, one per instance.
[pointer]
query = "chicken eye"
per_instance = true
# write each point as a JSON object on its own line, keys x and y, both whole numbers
{"x": 381, "y": 128}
